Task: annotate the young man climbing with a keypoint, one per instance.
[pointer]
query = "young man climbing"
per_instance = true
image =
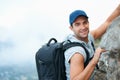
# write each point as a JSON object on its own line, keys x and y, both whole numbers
{"x": 75, "y": 57}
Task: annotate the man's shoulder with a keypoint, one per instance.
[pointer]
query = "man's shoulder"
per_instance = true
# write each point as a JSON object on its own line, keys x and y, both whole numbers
{"x": 90, "y": 37}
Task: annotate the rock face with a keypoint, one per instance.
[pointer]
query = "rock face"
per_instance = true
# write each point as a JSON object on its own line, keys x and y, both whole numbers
{"x": 109, "y": 64}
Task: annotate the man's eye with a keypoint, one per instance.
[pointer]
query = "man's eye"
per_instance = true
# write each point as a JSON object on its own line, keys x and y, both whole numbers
{"x": 85, "y": 22}
{"x": 77, "y": 24}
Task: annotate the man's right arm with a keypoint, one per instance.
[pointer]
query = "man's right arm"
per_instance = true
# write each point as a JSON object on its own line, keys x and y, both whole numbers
{"x": 77, "y": 71}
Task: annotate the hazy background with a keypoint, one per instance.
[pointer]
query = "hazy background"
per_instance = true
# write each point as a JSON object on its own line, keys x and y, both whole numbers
{"x": 25, "y": 25}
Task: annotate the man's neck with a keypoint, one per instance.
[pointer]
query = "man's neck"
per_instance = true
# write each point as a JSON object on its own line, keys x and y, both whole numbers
{"x": 83, "y": 39}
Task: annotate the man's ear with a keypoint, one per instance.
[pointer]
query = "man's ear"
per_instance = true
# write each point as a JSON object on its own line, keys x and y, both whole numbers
{"x": 71, "y": 28}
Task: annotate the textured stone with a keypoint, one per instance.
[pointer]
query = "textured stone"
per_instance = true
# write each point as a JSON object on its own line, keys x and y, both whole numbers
{"x": 109, "y": 62}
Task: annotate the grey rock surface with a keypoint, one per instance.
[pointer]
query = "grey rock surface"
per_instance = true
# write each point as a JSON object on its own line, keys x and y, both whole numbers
{"x": 109, "y": 63}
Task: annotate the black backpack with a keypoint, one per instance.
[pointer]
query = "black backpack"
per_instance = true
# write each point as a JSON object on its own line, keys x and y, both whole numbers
{"x": 50, "y": 61}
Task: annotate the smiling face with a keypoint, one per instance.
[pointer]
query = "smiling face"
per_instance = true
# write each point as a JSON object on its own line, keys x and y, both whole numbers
{"x": 80, "y": 27}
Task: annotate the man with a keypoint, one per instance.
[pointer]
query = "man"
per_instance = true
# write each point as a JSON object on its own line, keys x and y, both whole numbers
{"x": 76, "y": 56}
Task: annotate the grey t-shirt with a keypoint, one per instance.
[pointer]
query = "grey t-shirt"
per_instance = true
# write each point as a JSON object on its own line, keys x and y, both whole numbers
{"x": 71, "y": 51}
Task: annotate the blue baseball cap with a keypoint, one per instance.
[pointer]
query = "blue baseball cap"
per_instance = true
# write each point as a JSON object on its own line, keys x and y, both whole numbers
{"x": 75, "y": 14}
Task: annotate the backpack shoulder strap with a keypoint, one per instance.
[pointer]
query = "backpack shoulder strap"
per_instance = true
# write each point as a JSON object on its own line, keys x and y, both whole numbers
{"x": 94, "y": 51}
{"x": 93, "y": 45}
{"x": 72, "y": 44}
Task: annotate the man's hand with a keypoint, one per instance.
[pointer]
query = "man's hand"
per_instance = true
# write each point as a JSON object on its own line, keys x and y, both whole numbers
{"x": 97, "y": 54}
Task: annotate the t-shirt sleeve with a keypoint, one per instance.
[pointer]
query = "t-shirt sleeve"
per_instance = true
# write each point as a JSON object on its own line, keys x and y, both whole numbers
{"x": 91, "y": 37}
{"x": 71, "y": 51}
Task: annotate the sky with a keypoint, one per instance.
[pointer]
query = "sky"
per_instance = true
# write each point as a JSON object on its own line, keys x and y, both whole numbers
{"x": 25, "y": 25}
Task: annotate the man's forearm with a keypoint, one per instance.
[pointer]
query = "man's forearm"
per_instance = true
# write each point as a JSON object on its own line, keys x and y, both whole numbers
{"x": 114, "y": 14}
